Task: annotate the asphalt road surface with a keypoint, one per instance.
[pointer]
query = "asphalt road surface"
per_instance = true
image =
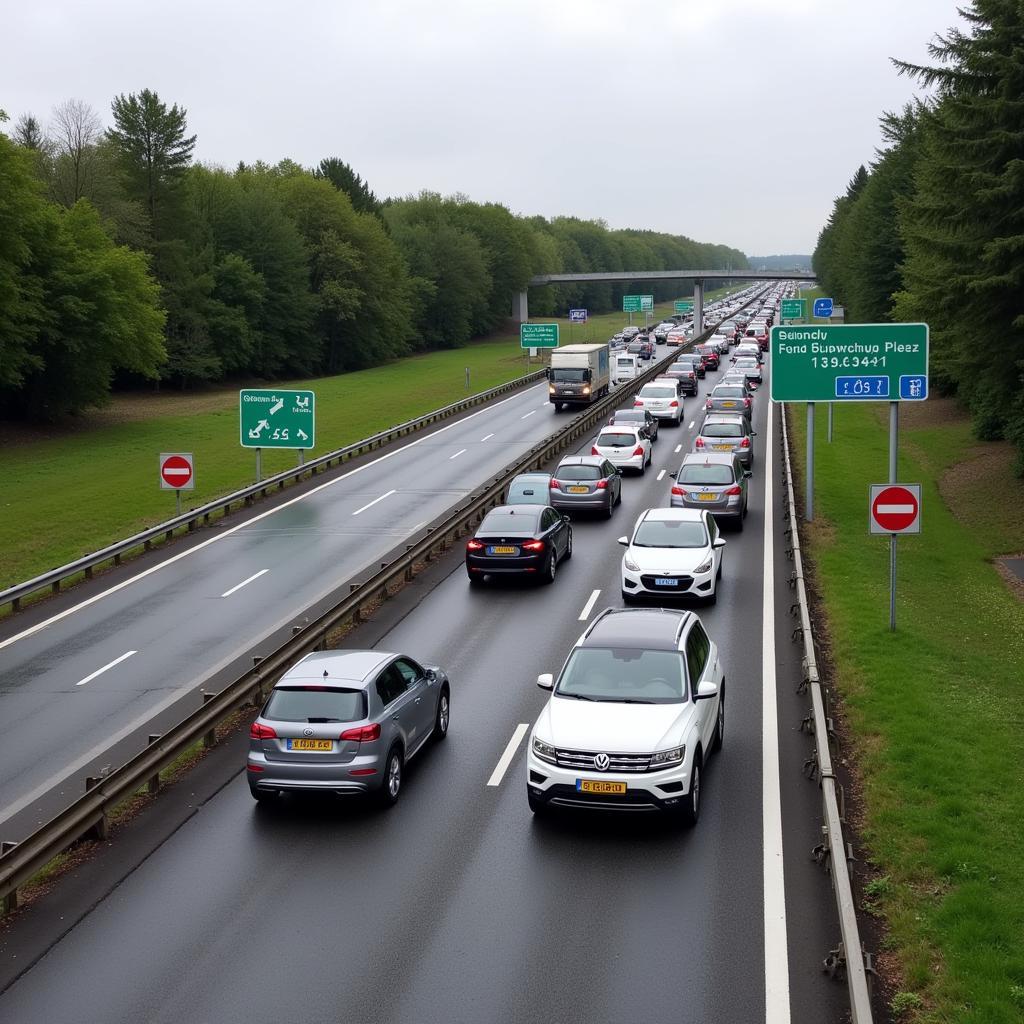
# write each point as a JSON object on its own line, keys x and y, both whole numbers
{"x": 457, "y": 904}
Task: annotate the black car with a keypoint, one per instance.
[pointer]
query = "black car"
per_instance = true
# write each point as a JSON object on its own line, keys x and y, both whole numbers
{"x": 519, "y": 540}
{"x": 685, "y": 374}
{"x": 699, "y": 366}
{"x": 641, "y": 417}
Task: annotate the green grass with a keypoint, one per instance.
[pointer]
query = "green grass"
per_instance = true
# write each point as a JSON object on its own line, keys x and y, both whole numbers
{"x": 935, "y": 710}
{"x": 68, "y": 492}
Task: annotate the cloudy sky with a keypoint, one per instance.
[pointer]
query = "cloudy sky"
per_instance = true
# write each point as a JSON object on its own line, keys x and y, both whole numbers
{"x": 732, "y": 121}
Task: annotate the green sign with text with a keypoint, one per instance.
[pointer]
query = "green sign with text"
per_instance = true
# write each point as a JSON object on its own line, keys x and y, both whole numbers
{"x": 869, "y": 362}
{"x": 276, "y": 418}
{"x": 793, "y": 309}
{"x": 538, "y": 335}
{"x": 683, "y": 305}
{"x": 637, "y": 303}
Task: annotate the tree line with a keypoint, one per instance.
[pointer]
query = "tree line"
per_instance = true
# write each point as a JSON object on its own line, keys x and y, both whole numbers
{"x": 123, "y": 260}
{"x": 933, "y": 229}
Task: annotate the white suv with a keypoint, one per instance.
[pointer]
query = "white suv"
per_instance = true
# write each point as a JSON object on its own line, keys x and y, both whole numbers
{"x": 636, "y": 709}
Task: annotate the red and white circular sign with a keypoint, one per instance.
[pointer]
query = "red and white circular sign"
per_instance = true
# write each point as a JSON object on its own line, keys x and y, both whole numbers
{"x": 176, "y": 471}
{"x": 895, "y": 509}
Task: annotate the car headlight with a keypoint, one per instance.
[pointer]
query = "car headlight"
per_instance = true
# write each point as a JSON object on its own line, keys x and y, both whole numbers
{"x": 628, "y": 563}
{"x": 551, "y": 389}
{"x": 667, "y": 758}
{"x": 705, "y": 566}
{"x": 544, "y": 751}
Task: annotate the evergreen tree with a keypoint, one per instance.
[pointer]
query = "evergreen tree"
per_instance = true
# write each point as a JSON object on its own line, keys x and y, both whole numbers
{"x": 345, "y": 179}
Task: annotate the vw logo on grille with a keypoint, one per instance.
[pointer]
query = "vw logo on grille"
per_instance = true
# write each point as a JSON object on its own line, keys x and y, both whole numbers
{"x": 601, "y": 762}
{"x": 307, "y": 732}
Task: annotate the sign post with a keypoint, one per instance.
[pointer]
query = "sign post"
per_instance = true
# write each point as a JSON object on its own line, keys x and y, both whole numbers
{"x": 894, "y": 509}
{"x": 177, "y": 473}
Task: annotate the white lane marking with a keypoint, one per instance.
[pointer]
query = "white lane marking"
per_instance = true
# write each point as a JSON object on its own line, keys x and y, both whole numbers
{"x": 530, "y": 413}
{"x": 374, "y": 502}
{"x": 32, "y": 630}
{"x": 661, "y": 475}
{"x": 690, "y": 427}
{"x": 487, "y": 438}
{"x": 238, "y": 586}
{"x": 100, "y": 671}
{"x": 457, "y": 454}
{"x": 545, "y": 405}
{"x": 589, "y": 606}
{"x": 506, "y": 759}
{"x": 776, "y": 948}
{"x": 679, "y": 448}
{"x": 896, "y": 509}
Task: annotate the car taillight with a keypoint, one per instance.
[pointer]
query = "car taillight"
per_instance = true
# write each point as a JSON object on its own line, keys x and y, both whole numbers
{"x": 745, "y": 443}
{"x": 261, "y": 732}
{"x": 534, "y": 545}
{"x": 678, "y": 490}
{"x": 593, "y": 450}
{"x": 699, "y": 443}
{"x": 735, "y": 490}
{"x": 673, "y": 404}
{"x": 602, "y": 485}
{"x": 555, "y": 485}
{"x": 637, "y": 403}
{"x": 746, "y": 402}
{"x": 362, "y": 734}
{"x": 638, "y": 450}
{"x": 691, "y": 375}
{"x": 473, "y": 545}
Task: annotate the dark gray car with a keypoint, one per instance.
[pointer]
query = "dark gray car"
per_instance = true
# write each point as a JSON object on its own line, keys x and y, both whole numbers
{"x": 726, "y": 434}
{"x": 346, "y": 722}
{"x": 730, "y": 400}
{"x": 586, "y": 483}
{"x": 716, "y": 481}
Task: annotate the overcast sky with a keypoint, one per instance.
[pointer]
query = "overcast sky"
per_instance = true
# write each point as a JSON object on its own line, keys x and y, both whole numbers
{"x": 731, "y": 121}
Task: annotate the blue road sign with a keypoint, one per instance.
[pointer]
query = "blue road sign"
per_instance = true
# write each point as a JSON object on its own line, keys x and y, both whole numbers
{"x": 823, "y": 307}
{"x": 577, "y": 316}
{"x": 862, "y": 387}
{"x": 913, "y": 388}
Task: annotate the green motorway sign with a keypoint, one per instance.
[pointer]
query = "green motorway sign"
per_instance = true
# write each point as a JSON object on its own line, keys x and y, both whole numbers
{"x": 276, "y": 418}
{"x": 869, "y": 362}
{"x": 683, "y": 305}
{"x": 538, "y": 335}
{"x": 793, "y": 309}
{"x": 637, "y": 303}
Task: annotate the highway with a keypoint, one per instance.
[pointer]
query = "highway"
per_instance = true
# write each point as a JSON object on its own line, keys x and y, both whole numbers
{"x": 458, "y": 905}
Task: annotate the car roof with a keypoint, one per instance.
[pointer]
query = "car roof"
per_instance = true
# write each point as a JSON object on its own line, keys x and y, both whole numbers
{"x": 657, "y": 629}
{"x": 531, "y": 476}
{"x": 709, "y": 458}
{"x": 342, "y": 668}
{"x": 663, "y": 515}
{"x": 722, "y": 418}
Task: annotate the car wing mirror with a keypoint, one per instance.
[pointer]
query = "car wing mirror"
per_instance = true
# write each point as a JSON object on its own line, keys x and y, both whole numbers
{"x": 706, "y": 690}
{"x": 623, "y": 540}
{"x": 719, "y": 542}
{"x": 546, "y": 681}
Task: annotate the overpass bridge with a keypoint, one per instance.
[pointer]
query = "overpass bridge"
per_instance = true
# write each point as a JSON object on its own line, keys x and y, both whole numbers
{"x": 520, "y": 307}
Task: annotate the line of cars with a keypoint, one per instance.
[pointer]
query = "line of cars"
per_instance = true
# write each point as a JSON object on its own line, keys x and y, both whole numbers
{"x": 640, "y": 701}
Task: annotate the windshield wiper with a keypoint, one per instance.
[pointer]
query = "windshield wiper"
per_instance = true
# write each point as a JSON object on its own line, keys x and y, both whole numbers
{"x": 575, "y": 696}
{"x": 626, "y": 700}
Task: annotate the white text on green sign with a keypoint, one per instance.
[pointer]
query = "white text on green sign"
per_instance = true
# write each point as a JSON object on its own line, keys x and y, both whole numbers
{"x": 276, "y": 418}
{"x": 538, "y": 335}
{"x": 637, "y": 303}
{"x": 683, "y": 305}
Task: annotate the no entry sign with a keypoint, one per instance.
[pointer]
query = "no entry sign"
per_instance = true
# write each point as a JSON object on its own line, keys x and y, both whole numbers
{"x": 895, "y": 508}
{"x": 177, "y": 471}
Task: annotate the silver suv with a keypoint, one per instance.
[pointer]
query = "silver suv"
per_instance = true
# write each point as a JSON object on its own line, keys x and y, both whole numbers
{"x": 346, "y": 722}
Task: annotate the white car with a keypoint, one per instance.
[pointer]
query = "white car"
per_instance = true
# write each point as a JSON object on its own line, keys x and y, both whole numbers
{"x": 673, "y": 552}
{"x": 624, "y": 447}
{"x": 636, "y": 710}
{"x": 661, "y": 398}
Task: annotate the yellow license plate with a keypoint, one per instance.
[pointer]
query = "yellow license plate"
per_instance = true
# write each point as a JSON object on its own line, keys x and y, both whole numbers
{"x": 707, "y": 497}
{"x": 600, "y": 786}
{"x": 722, "y": 447}
{"x": 499, "y": 549}
{"x": 728, "y": 405}
{"x": 311, "y": 745}
{"x": 577, "y": 490}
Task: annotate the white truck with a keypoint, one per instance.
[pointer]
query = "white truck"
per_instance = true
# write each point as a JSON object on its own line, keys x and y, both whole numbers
{"x": 578, "y": 375}
{"x": 624, "y": 367}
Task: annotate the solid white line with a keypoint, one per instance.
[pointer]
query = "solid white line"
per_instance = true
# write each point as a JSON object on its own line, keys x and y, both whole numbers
{"x": 895, "y": 509}
{"x": 487, "y": 438}
{"x": 776, "y": 948}
{"x": 457, "y": 454}
{"x": 530, "y": 413}
{"x": 374, "y": 502}
{"x": 589, "y": 606}
{"x": 506, "y": 759}
{"x": 679, "y": 448}
{"x": 100, "y": 671}
{"x": 238, "y": 586}
{"x": 39, "y": 626}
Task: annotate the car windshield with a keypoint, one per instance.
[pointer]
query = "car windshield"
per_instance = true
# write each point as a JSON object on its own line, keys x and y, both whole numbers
{"x": 568, "y": 375}
{"x": 728, "y": 392}
{"x": 670, "y": 533}
{"x": 651, "y": 392}
{"x": 315, "y": 704}
{"x": 746, "y": 364}
{"x": 706, "y": 474}
{"x": 579, "y": 473}
{"x": 623, "y": 675}
{"x": 615, "y": 440}
{"x": 722, "y": 430}
{"x": 635, "y": 347}
{"x": 509, "y": 522}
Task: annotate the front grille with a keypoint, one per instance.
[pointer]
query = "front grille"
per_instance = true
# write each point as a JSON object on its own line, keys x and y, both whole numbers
{"x": 685, "y": 582}
{"x": 584, "y": 760}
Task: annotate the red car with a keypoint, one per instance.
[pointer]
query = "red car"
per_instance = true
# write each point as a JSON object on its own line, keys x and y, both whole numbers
{"x": 710, "y": 355}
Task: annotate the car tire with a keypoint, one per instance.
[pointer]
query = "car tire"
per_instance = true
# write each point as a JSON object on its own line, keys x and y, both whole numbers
{"x": 442, "y": 718}
{"x": 610, "y": 510}
{"x": 391, "y": 788}
{"x": 689, "y": 811}
{"x": 716, "y": 743}
{"x": 552, "y": 568}
{"x": 618, "y": 495}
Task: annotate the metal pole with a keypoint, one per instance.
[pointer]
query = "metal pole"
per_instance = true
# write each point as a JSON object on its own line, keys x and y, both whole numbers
{"x": 259, "y": 465}
{"x": 302, "y": 457}
{"x": 830, "y": 422}
{"x": 894, "y": 425}
{"x": 177, "y": 494}
{"x": 809, "y": 497}
{"x": 892, "y": 582}
{"x": 467, "y": 378}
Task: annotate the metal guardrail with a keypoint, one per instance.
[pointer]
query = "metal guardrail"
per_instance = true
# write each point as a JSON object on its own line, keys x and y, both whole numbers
{"x": 20, "y": 861}
{"x": 190, "y": 520}
{"x": 850, "y": 956}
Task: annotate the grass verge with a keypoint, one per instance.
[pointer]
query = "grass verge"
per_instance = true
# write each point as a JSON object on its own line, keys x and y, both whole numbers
{"x": 933, "y": 711}
{"x": 71, "y": 491}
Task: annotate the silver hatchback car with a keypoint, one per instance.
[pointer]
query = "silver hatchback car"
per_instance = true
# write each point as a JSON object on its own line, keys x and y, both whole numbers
{"x": 346, "y": 722}
{"x": 716, "y": 481}
{"x": 726, "y": 434}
